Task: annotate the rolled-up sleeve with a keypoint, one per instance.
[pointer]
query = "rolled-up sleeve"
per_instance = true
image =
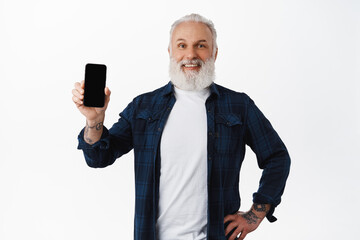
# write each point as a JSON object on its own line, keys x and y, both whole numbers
{"x": 113, "y": 143}
{"x": 272, "y": 157}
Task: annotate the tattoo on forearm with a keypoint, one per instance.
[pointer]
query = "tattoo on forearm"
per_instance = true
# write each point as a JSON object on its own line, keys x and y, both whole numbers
{"x": 260, "y": 207}
{"x": 98, "y": 127}
{"x": 87, "y": 139}
{"x": 250, "y": 217}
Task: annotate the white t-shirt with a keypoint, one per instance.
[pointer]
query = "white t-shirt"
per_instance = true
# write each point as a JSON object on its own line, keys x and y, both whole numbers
{"x": 183, "y": 192}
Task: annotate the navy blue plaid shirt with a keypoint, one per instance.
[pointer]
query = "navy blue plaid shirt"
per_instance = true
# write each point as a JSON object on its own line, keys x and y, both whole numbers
{"x": 233, "y": 120}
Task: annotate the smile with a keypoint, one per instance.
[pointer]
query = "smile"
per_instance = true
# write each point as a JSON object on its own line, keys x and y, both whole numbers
{"x": 191, "y": 65}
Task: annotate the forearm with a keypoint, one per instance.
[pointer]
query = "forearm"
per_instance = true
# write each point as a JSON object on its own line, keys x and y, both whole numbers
{"x": 99, "y": 154}
{"x": 93, "y": 130}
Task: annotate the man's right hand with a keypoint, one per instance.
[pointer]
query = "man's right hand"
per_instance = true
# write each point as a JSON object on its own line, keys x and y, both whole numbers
{"x": 94, "y": 116}
{"x": 91, "y": 113}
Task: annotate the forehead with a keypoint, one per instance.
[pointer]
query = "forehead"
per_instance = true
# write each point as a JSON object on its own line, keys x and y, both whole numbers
{"x": 192, "y": 31}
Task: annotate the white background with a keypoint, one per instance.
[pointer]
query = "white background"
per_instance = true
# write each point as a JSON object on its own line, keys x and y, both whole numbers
{"x": 299, "y": 61}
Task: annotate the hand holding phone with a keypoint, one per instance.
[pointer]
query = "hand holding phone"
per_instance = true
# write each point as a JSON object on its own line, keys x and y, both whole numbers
{"x": 91, "y": 113}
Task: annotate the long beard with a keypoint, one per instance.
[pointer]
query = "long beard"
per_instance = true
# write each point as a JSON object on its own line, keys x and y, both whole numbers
{"x": 192, "y": 80}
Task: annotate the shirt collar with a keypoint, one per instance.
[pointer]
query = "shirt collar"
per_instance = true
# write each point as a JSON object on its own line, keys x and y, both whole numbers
{"x": 169, "y": 88}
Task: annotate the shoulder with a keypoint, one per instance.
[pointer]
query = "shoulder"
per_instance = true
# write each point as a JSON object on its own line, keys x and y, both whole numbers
{"x": 152, "y": 100}
{"x": 227, "y": 94}
{"x": 151, "y": 95}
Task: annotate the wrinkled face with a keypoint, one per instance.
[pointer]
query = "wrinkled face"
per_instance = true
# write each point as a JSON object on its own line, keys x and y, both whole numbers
{"x": 191, "y": 41}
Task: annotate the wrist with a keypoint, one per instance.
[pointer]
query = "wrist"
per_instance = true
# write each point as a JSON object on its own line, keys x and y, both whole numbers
{"x": 260, "y": 209}
{"x": 96, "y": 121}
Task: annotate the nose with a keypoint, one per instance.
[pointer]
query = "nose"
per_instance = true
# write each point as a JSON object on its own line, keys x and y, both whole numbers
{"x": 191, "y": 54}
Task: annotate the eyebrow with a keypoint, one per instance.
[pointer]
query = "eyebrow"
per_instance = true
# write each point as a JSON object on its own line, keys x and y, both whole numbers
{"x": 183, "y": 40}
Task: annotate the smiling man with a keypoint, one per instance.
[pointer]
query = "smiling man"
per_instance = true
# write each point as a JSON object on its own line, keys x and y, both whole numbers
{"x": 189, "y": 140}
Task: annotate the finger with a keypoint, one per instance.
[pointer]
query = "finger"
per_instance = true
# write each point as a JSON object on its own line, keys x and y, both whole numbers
{"x": 76, "y": 100}
{"x": 229, "y": 217}
{"x": 230, "y": 227}
{"x": 82, "y": 84}
{"x": 78, "y": 105}
{"x": 107, "y": 91}
{"x": 77, "y": 94}
{"x": 243, "y": 235}
{"x": 107, "y": 96}
{"x": 79, "y": 88}
{"x": 235, "y": 233}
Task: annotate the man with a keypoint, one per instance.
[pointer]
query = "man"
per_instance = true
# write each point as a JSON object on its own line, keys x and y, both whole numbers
{"x": 189, "y": 143}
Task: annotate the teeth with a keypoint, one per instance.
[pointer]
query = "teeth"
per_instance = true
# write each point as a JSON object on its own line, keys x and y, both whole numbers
{"x": 191, "y": 65}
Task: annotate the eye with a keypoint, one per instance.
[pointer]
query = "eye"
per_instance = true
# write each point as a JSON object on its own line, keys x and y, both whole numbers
{"x": 181, "y": 45}
{"x": 201, "y": 46}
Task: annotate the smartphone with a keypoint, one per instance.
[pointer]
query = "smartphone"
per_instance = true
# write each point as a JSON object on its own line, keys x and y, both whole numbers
{"x": 95, "y": 78}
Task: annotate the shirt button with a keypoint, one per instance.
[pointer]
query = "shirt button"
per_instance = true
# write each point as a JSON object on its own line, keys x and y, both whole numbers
{"x": 159, "y": 129}
{"x": 210, "y": 133}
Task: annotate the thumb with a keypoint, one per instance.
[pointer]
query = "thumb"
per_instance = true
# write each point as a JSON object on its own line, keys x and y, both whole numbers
{"x": 107, "y": 95}
{"x": 107, "y": 92}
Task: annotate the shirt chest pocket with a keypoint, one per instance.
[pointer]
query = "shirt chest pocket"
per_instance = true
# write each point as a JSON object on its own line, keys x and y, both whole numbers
{"x": 146, "y": 121}
{"x": 229, "y": 142}
{"x": 145, "y": 129}
{"x": 228, "y": 125}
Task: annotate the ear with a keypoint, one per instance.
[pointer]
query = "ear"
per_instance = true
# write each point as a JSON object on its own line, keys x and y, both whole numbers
{"x": 216, "y": 53}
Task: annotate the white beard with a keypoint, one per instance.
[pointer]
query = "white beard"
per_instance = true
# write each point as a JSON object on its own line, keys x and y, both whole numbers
{"x": 192, "y": 80}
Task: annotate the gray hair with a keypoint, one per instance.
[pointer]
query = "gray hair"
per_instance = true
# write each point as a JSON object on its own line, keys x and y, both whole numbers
{"x": 194, "y": 17}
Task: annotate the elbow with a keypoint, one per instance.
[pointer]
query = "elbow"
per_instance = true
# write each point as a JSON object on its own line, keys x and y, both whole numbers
{"x": 91, "y": 163}
{"x": 278, "y": 159}
{"x": 99, "y": 161}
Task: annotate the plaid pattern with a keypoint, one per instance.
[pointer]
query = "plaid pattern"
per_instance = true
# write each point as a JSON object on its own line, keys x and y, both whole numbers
{"x": 233, "y": 120}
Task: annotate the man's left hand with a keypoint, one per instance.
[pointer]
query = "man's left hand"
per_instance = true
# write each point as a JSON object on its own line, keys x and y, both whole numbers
{"x": 245, "y": 222}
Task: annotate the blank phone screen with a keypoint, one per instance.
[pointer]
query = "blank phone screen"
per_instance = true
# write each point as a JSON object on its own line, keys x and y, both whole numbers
{"x": 95, "y": 77}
